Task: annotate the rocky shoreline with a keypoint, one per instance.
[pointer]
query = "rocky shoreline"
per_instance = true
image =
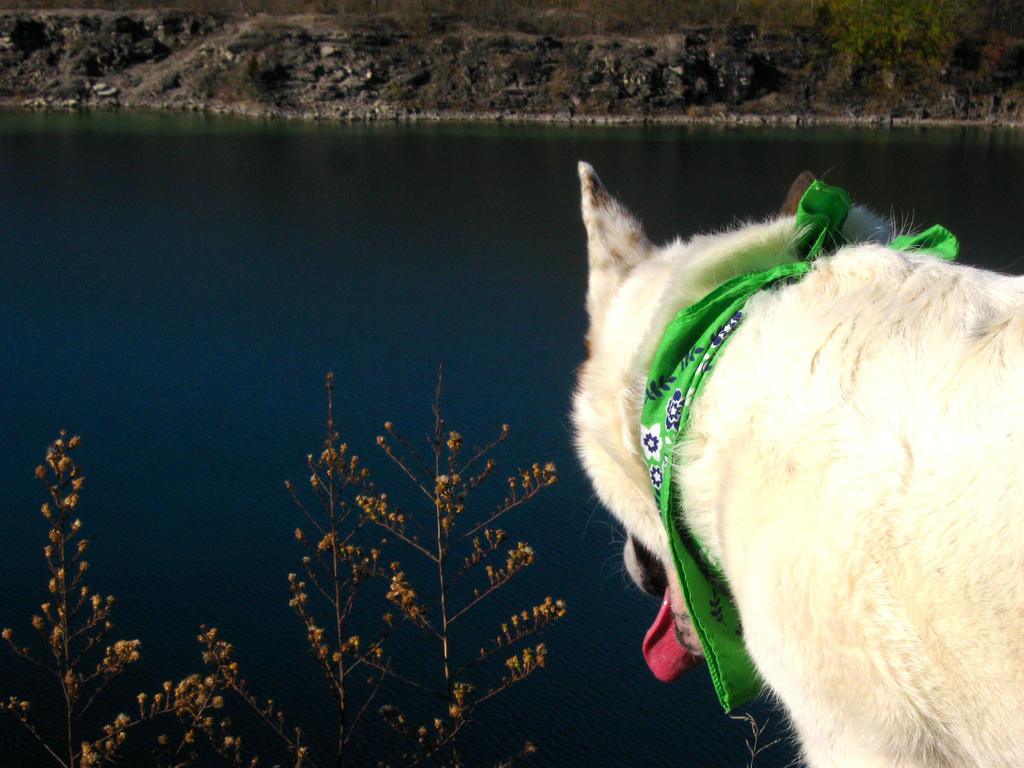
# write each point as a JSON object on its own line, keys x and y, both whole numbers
{"x": 360, "y": 69}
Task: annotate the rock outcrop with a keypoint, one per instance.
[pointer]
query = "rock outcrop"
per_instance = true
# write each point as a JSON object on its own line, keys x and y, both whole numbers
{"x": 358, "y": 68}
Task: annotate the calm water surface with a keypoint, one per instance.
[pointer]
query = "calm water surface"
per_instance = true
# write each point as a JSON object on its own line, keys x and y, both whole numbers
{"x": 175, "y": 290}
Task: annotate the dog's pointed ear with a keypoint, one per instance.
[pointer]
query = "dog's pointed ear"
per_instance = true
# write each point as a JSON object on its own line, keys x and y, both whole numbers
{"x": 796, "y": 191}
{"x": 615, "y": 238}
{"x": 615, "y": 242}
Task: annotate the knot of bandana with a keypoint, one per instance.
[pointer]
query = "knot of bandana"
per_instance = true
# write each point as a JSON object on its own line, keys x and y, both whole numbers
{"x": 681, "y": 368}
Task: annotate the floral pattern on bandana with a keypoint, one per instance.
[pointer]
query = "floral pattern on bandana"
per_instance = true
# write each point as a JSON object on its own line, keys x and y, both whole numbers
{"x": 658, "y": 446}
{"x": 650, "y": 439}
{"x": 674, "y": 411}
{"x": 727, "y": 329}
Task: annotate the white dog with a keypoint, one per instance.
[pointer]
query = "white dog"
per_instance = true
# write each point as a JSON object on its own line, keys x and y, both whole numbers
{"x": 852, "y": 469}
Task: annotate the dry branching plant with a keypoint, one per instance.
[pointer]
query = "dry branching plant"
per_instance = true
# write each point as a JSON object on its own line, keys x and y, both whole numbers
{"x": 468, "y": 558}
{"x": 463, "y": 560}
{"x": 344, "y": 570}
{"x": 336, "y": 566}
{"x": 72, "y": 651}
{"x": 755, "y": 745}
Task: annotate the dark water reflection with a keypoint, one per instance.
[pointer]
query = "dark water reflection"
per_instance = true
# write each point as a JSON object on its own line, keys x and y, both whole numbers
{"x": 175, "y": 290}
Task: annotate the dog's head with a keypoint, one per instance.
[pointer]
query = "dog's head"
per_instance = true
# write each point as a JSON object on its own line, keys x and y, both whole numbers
{"x": 634, "y": 289}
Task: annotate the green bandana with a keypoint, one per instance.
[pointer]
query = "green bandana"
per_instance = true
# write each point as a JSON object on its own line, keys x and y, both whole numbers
{"x": 679, "y": 372}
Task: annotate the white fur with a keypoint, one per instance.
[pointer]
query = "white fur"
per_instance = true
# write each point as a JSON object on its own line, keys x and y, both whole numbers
{"x": 854, "y": 464}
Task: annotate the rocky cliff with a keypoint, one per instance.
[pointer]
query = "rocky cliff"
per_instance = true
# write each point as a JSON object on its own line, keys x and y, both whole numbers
{"x": 358, "y": 68}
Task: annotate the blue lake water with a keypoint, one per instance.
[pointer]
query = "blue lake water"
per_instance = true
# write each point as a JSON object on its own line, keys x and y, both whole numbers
{"x": 176, "y": 289}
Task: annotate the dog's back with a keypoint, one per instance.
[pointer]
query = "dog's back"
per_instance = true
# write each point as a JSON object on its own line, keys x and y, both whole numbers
{"x": 856, "y": 460}
{"x": 853, "y": 467}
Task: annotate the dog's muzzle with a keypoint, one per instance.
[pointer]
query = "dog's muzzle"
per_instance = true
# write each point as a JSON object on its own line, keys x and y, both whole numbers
{"x": 644, "y": 568}
{"x": 671, "y": 646}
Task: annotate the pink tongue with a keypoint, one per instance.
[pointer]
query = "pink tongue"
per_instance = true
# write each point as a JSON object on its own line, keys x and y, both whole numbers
{"x": 667, "y": 659}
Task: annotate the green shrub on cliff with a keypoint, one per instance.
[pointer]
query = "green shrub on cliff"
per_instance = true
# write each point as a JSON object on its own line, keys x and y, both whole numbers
{"x": 894, "y": 35}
